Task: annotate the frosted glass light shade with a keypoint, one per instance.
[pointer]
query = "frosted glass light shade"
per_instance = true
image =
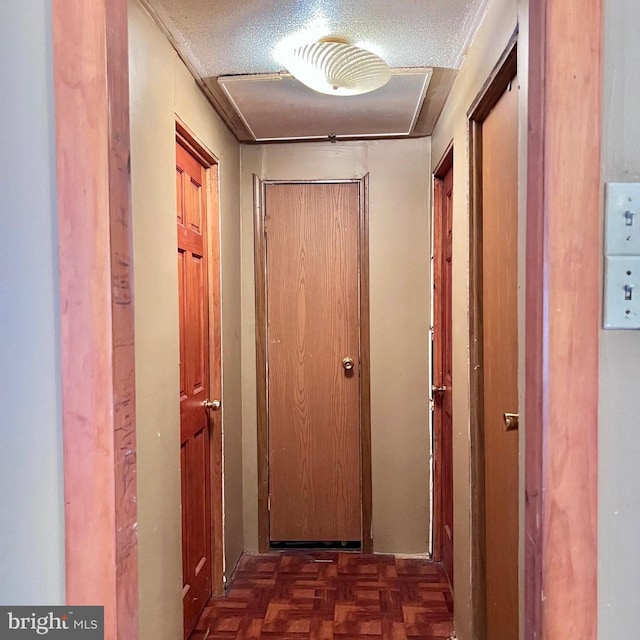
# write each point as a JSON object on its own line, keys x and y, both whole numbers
{"x": 336, "y": 68}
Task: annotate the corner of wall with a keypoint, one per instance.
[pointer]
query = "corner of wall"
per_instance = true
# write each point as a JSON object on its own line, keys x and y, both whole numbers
{"x": 160, "y": 88}
{"x": 491, "y": 38}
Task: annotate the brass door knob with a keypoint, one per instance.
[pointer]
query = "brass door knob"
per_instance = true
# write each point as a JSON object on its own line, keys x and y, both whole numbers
{"x": 511, "y": 421}
{"x": 347, "y": 363}
{"x": 214, "y": 405}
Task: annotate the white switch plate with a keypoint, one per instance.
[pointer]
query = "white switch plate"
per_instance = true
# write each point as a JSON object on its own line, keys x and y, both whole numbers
{"x": 622, "y": 238}
{"x": 619, "y": 313}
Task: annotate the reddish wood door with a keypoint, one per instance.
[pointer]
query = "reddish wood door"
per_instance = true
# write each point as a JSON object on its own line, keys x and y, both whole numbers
{"x": 312, "y": 325}
{"x": 500, "y": 361}
{"x": 194, "y": 386}
{"x": 442, "y": 367}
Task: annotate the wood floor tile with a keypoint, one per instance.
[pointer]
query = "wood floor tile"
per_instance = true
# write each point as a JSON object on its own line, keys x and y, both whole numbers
{"x": 328, "y": 595}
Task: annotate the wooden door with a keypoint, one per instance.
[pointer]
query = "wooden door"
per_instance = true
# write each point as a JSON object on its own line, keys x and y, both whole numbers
{"x": 194, "y": 386}
{"x": 442, "y": 367}
{"x": 500, "y": 361}
{"x": 312, "y": 326}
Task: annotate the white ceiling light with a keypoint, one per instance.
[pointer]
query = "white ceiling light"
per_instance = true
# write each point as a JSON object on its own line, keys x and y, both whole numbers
{"x": 335, "y": 67}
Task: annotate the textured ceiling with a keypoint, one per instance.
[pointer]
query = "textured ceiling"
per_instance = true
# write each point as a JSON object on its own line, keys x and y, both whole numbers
{"x": 227, "y": 37}
{"x": 389, "y": 111}
{"x": 239, "y": 38}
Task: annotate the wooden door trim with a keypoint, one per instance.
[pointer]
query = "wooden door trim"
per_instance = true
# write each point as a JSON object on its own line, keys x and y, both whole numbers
{"x": 442, "y": 168}
{"x": 187, "y": 139}
{"x": 562, "y": 318}
{"x": 260, "y": 265}
{"x": 365, "y": 370}
{"x": 260, "y": 262}
{"x": 446, "y": 162}
{"x": 91, "y": 92}
{"x": 190, "y": 141}
{"x": 489, "y": 95}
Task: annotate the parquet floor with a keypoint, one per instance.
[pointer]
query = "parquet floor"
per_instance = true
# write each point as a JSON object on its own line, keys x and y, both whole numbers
{"x": 330, "y": 596}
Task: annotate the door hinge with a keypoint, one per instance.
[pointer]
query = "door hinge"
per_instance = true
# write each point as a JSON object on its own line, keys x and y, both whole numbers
{"x": 269, "y": 503}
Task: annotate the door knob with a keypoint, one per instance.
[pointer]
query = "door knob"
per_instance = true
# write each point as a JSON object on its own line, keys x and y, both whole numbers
{"x": 511, "y": 421}
{"x": 438, "y": 390}
{"x": 347, "y": 363}
{"x": 214, "y": 405}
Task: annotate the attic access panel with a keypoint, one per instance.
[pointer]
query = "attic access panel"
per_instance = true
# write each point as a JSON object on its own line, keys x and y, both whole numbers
{"x": 279, "y": 107}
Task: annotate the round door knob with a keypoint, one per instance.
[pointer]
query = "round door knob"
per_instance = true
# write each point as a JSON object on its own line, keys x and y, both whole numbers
{"x": 347, "y": 363}
{"x": 212, "y": 404}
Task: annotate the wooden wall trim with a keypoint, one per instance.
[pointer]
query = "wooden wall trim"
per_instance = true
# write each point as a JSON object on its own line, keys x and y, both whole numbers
{"x": 190, "y": 141}
{"x": 260, "y": 261}
{"x": 446, "y": 162}
{"x": 96, "y": 308}
{"x": 366, "y": 481}
{"x": 491, "y": 92}
{"x": 494, "y": 86}
{"x": 534, "y": 339}
{"x": 441, "y": 170}
{"x": 215, "y": 381}
{"x": 212, "y": 91}
{"x": 478, "y": 586}
{"x": 563, "y": 318}
{"x": 436, "y": 368}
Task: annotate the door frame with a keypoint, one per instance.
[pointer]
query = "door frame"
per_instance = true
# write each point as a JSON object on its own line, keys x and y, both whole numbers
{"x": 562, "y": 326}
{"x": 439, "y": 174}
{"x": 190, "y": 141}
{"x": 89, "y": 42}
{"x": 502, "y": 74}
{"x": 97, "y": 354}
{"x": 260, "y": 268}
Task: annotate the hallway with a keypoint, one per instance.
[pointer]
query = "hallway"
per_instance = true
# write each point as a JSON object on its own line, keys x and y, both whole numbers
{"x": 99, "y": 491}
{"x": 324, "y": 595}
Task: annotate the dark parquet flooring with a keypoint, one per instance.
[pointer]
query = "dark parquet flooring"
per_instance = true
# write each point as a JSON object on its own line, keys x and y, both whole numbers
{"x": 330, "y": 596}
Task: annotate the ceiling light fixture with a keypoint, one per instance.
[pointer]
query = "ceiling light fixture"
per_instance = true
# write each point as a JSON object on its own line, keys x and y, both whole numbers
{"x": 334, "y": 67}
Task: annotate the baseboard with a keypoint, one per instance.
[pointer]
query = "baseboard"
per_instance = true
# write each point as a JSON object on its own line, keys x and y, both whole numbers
{"x": 227, "y": 581}
{"x": 411, "y": 556}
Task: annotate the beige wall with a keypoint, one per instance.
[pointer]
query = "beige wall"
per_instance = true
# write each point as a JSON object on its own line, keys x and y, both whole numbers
{"x": 490, "y": 42}
{"x": 619, "y": 437}
{"x": 161, "y": 87}
{"x": 399, "y": 271}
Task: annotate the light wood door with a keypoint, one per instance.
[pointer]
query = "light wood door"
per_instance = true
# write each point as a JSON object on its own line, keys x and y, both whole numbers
{"x": 194, "y": 386}
{"x": 442, "y": 378}
{"x": 500, "y": 361}
{"x": 312, "y": 325}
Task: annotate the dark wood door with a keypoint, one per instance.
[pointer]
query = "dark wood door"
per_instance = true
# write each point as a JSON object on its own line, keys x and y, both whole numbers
{"x": 312, "y": 326}
{"x": 194, "y": 386}
{"x": 500, "y": 361}
{"x": 442, "y": 378}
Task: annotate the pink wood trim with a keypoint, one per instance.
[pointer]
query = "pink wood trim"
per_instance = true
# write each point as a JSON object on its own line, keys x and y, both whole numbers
{"x": 96, "y": 308}
{"x": 534, "y": 301}
{"x": 563, "y": 317}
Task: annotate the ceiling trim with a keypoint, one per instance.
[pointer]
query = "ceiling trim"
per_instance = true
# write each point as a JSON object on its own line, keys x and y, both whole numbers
{"x": 215, "y": 95}
{"x": 439, "y": 87}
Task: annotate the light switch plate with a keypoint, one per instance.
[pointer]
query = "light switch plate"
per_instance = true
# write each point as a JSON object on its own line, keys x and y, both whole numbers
{"x": 622, "y": 229}
{"x": 619, "y": 312}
